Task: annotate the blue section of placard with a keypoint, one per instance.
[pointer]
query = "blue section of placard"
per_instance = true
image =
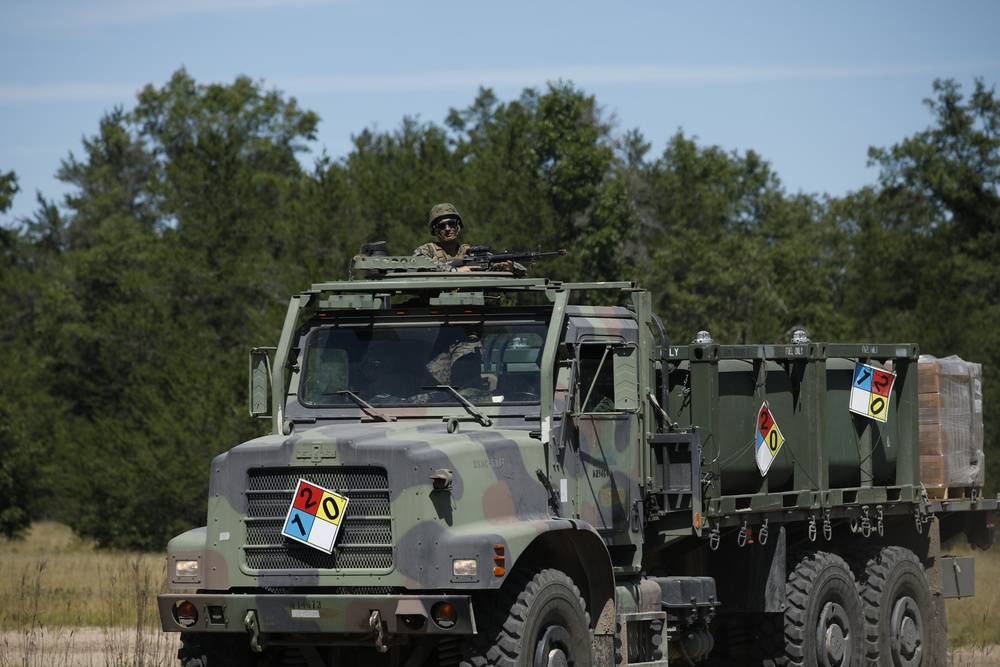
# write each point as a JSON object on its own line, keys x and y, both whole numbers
{"x": 863, "y": 377}
{"x": 299, "y": 524}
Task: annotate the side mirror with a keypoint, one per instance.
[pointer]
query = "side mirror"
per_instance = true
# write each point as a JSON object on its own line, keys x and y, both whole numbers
{"x": 260, "y": 382}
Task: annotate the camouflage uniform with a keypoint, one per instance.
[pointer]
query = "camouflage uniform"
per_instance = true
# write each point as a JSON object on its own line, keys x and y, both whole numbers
{"x": 436, "y": 253}
{"x": 460, "y": 366}
{"x": 465, "y": 353}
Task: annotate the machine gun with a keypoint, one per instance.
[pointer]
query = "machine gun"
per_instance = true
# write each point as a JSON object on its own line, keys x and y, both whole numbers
{"x": 482, "y": 257}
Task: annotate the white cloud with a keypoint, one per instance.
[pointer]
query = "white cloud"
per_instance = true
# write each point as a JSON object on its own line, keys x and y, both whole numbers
{"x": 31, "y": 93}
{"x": 99, "y": 13}
{"x": 607, "y": 75}
{"x": 524, "y": 77}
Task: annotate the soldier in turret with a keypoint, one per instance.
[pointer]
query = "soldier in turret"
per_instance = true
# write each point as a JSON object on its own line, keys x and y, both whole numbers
{"x": 445, "y": 223}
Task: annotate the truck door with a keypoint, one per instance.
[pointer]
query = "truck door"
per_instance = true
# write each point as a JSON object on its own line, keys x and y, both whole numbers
{"x": 605, "y": 404}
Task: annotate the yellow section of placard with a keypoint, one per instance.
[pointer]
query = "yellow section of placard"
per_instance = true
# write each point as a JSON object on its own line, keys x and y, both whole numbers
{"x": 331, "y": 507}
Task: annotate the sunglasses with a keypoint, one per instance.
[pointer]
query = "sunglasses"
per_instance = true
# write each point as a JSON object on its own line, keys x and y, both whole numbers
{"x": 438, "y": 226}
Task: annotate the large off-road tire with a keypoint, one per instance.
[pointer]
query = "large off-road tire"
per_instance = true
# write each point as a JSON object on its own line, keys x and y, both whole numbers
{"x": 214, "y": 650}
{"x": 539, "y": 620}
{"x": 899, "y": 612}
{"x": 823, "y": 623}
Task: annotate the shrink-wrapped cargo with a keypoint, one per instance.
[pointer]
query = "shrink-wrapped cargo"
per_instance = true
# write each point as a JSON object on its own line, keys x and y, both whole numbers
{"x": 951, "y": 423}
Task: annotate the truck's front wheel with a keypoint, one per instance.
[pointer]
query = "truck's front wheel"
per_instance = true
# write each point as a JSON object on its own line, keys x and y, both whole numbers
{"x": 541, "y": 621}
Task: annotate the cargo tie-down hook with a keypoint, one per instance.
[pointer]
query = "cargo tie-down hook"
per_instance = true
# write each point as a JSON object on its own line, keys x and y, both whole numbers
{"x": 866, "y": 522}
{"x": 741, "y": 539}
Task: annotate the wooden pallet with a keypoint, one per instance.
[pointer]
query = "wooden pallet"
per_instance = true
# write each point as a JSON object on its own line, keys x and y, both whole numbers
{"x": 937, "y": 494}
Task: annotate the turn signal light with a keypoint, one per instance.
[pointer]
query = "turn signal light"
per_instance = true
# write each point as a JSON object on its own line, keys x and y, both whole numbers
{"x": 444, "y": 615}
{"x": 185, "y": 613}
{"x": 499, "y": 560}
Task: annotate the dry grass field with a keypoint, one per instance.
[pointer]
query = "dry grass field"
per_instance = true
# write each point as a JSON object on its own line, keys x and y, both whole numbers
{"x": 65, "y": 604}
{"x": 974, "y": 623}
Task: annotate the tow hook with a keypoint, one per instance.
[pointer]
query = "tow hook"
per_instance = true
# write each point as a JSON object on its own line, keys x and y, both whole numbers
{"x": 250, "y": 623}
{"x": 376, "y": 624}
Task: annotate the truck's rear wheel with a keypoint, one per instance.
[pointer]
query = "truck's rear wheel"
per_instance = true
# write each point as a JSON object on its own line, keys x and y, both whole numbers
{"x": 899, "y": 617}
{"x": 823, "y": 620}
{"x": 542, "y": 622}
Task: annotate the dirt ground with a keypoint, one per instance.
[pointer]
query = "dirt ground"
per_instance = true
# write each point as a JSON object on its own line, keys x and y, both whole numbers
{"x": 100, "y": 647}
{"x": 985, "y": 656}
{"x": 88, "y": 647}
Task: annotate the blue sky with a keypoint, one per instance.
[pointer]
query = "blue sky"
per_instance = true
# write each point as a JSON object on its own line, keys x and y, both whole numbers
{"x": 808, "y": 85}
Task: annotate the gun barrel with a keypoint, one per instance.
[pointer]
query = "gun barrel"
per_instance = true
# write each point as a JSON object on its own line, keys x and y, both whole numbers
{"x": 505, "y": 256}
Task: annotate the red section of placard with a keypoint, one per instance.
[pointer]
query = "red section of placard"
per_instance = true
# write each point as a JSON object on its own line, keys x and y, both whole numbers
{"x": 764, "y": 421}
{"x": 307, "y": 497}
{"x": 881, "y": 382}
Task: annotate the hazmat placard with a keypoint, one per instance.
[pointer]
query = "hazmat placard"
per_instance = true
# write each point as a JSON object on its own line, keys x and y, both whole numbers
{"x": 769, "y": 439}
{"x": 315, "y": 516}
{"x": 870, "y": 391}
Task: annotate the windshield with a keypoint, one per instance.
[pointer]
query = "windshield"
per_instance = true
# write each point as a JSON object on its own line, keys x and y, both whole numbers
{"x": 413, "y": 363}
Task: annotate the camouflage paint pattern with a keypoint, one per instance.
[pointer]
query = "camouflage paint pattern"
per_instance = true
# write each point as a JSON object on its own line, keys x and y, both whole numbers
{"x": 496, "y": 505}
{"x": 630, "y": 495}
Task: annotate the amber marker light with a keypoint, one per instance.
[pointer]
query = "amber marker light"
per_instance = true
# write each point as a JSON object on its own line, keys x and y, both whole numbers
{"x": 697, "y": 519}
{"x": 185, "y": 613}
{"x": 444, "y": 615}
{"x": 499, "y": 561}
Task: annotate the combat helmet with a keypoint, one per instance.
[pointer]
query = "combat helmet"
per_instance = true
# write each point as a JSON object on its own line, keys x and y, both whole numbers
{"x": 443, "y": 211}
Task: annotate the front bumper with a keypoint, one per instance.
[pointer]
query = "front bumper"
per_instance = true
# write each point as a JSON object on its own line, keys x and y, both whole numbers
{"x": 315, "y": 614}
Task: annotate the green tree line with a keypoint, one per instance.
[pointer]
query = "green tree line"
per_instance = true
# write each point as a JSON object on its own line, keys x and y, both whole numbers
{"x": 129, "y": 307}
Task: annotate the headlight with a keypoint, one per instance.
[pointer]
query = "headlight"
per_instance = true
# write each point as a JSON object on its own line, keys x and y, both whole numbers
{"x": 188, "y": 569}
{"x": 463, "y": 567}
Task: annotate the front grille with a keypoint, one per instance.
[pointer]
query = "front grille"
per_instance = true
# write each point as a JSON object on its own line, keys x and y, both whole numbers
{"x": 365, "y": 538}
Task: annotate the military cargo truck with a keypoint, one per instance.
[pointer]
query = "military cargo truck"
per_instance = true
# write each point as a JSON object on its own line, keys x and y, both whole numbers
{"x": 478, "y": 469}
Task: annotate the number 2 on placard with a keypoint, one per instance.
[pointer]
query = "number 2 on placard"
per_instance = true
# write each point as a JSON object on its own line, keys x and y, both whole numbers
{"x": 765, "y": 420}
{"x": 307, "y": 493}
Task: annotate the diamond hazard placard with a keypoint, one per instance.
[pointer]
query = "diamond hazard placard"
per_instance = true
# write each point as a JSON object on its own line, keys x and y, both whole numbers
{"x": 315, "y": 515}
{"x": 870, "y": 391}
{"x": 769, "y": 439}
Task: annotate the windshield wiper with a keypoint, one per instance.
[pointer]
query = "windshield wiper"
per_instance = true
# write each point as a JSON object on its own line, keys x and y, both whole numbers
{"x": 473, "y": 410}
{"x": 366, "y": 406}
